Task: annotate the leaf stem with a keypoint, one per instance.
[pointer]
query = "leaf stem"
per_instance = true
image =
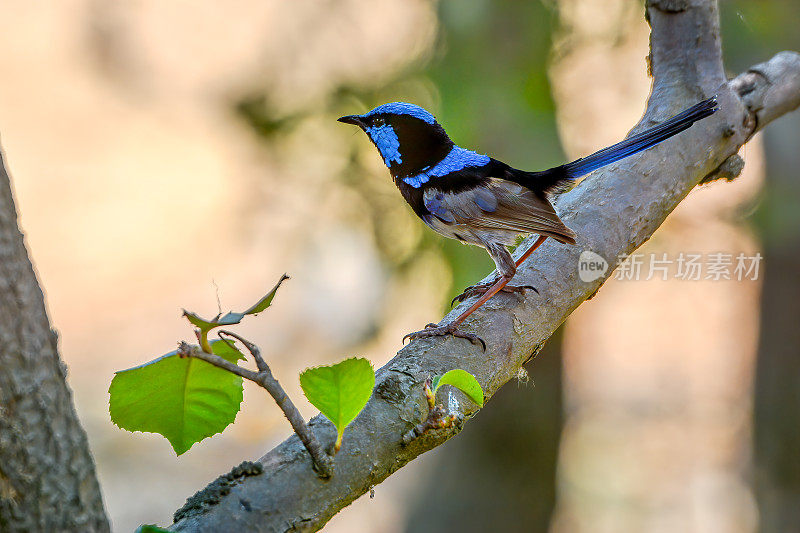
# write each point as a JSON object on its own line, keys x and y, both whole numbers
{"x": 430, "y": 395}
{"x": 338, "y": 444}
{"x": 202, "y": 337}
{"x": 264, "y": 378}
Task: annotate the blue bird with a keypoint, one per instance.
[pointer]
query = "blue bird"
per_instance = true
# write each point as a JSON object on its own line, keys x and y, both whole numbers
{"x": 482, "y": 201}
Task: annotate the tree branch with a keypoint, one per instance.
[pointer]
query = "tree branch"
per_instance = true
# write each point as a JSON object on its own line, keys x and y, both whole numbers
{"x": 613, "y": 212}
{"x": 685, "y": 52}
{"x": 322, "y": 461}
{"x": 769, "y": 90}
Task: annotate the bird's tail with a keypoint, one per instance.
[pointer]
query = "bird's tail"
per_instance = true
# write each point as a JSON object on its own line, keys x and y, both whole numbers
{"x": 556, "y": 178}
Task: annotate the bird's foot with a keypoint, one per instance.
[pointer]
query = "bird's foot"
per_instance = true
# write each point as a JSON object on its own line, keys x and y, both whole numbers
{"x": 434, "y": 330}
{"x": 481, "y": 288}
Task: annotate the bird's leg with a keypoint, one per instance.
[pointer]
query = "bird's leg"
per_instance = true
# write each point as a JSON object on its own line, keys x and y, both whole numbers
{"x": 481, "y": 288}
{"x": 507, "y": 267}
{"x": 530, "y": 250}
{"x": 432, "y": 330}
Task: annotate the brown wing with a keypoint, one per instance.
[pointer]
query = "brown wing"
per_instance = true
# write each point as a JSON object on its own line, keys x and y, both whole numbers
{"x": 498, "y": 207}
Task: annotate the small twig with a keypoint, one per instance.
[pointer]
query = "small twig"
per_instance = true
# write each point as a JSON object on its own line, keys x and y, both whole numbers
{"x": 437, "y": 417}
{"x": 216, "y": 291}
{"x": 252, "y": 348}
{"x": 265, "y": 379}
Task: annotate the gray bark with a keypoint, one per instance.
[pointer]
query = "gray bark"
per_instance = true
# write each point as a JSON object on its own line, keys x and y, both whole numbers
{"x": 47, "y": 475}
{"x": 613, "y": 211}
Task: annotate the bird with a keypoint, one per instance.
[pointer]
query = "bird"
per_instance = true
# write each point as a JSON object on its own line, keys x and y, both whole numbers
{"x": 479, "y": 200}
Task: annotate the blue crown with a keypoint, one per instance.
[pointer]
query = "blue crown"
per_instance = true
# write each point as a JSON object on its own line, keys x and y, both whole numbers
{"x": 402, "y": 108}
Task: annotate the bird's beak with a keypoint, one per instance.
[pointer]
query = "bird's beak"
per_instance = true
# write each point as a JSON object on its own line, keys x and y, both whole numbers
{"x": 351, "y": 119}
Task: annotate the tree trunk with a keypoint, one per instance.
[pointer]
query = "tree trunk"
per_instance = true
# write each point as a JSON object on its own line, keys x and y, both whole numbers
{"x": 47, "y": 475}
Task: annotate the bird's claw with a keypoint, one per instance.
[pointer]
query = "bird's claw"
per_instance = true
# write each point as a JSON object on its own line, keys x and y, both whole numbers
{"x": 434, "y": 330}
{"x": 473, "y": 290}
{"x": 413, "y": 335}
{"x": 481, "y": 288}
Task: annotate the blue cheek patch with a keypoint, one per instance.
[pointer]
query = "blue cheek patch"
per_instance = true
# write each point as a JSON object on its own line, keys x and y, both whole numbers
{"x": 457, "y": 159}
{"x": 387, "y": 142}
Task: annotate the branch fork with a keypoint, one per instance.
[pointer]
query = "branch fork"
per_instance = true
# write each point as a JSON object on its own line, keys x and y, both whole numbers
{"x": 323, "y": 463}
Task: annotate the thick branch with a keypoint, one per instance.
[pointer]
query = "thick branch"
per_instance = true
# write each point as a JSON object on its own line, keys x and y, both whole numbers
{"x": 685, "y": 53}
{"x": 613, "y": 212}
{"x": 770, "y": 90}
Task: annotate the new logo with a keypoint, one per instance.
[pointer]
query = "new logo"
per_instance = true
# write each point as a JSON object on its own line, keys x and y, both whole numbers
{"x": 591, "y": 266}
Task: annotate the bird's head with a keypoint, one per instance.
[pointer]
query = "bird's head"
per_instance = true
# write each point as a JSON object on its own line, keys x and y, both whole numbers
{"x": 407, "y": 136}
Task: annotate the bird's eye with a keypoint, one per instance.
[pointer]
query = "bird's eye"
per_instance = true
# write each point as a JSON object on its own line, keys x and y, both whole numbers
{"x": 378, "y": 121}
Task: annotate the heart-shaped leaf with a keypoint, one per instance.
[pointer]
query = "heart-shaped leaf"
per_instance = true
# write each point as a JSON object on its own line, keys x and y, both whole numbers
{"x": 463, "y": 381}
{"x": 184, "y": 399}
{"x": 339, "y": 391}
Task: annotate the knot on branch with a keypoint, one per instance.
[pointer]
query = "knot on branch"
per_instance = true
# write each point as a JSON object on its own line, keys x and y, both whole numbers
{"x": 211, "y": 495}
{"x": 768, "y": 90}
{"x": 669, "y": 6}
{"x": 729, "y": 170}
{"x": 437, "y": 419}
{"x": 751, "y": 87}
{"x": 395, "y": 388}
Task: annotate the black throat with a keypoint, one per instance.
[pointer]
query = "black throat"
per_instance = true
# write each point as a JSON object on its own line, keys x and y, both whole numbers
{"x": 422, "y": 145}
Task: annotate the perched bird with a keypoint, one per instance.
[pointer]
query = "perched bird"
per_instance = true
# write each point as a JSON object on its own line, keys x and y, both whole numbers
{"x": 480, "y": 200}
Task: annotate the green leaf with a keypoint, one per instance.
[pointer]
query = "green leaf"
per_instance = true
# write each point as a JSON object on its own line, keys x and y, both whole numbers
{"x": 201, "y": 323}
{"x": 227, "y": 350}
{"x": 184, "y": 399}
{"x": 339, "y": 391}
{"x": 232, "y": 317}
{"x": 463, "y": 381}
{"x": 150, "y": 528}
{"x": 265, "y": 302}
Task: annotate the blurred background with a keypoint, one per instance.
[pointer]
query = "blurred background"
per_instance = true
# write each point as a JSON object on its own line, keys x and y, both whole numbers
{"x": 169, "y": 154}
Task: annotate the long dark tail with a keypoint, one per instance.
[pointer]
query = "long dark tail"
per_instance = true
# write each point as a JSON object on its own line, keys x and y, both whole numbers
{"x": 558, "y": 177}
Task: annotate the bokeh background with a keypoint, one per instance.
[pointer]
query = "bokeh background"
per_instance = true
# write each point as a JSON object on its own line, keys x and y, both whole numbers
{"x": 173, "y": 154}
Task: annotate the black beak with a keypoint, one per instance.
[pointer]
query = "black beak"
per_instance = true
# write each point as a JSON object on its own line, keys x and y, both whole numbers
{"x": 351, "y": 119}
